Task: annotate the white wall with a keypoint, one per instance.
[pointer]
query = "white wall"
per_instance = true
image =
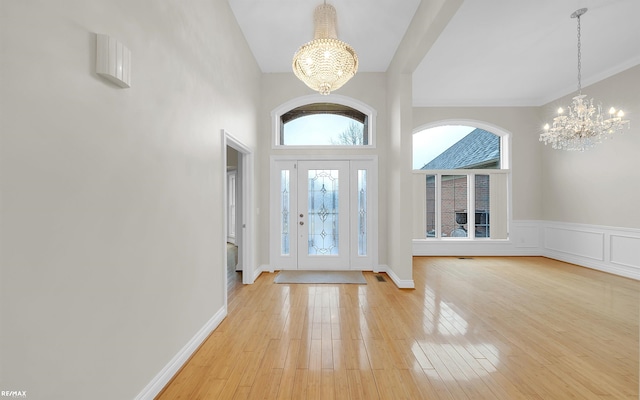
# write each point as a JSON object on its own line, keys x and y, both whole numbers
{"x": 600, "y": 186}
{"x": 112, "y": 224}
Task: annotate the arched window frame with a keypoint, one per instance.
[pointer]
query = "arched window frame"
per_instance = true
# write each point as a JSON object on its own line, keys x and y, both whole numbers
{"x": 276, "y": 118}
{"x": 505, "y": 136}
{"x": 505, "y": 163}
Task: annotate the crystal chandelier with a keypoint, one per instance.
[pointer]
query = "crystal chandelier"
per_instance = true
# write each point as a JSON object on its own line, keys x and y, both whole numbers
{"x": 325, "y": 63}
{"x": 584, "y": 125}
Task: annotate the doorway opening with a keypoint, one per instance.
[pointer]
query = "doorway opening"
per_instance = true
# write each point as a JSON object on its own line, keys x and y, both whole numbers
{"x": 238, "y": 229}
{"x": 234, "y": 237}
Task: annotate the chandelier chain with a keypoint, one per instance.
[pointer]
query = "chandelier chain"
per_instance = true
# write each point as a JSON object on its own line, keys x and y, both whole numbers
{"x": 579, "y": 59}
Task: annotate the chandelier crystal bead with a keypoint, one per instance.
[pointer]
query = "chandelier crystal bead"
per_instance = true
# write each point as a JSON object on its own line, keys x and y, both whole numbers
{"x": 325, "y": 63}
{"x": 583, "y": 125}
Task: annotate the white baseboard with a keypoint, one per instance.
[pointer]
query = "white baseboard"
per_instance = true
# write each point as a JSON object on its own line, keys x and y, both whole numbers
{"x": 257, "y": 272}
{"x": 400, "y": 283}
{"x": 160, "y": 381}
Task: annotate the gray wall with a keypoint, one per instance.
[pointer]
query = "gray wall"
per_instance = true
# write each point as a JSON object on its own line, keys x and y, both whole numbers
{"x": 600, "y": 186}
{"x": 112, "y": 219}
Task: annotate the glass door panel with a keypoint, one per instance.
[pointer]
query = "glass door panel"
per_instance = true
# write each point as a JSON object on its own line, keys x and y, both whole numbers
{"x": 323, "y": 219}
{"x": 323, "y": 213}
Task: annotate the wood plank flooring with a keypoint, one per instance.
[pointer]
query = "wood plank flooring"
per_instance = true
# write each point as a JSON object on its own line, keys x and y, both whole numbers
{"x": 483, "y": 328}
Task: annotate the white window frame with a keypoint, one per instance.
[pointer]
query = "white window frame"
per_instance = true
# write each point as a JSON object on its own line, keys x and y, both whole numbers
{"x": 471, "y": 224}
{"x": 277, "y": 113}
{"x": 505, "y": 168}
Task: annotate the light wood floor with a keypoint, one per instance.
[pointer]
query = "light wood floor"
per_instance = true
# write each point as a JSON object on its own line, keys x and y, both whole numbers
{"x": 483, "y": 328}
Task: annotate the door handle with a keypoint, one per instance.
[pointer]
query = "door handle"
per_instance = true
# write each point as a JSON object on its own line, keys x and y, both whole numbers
{"x": 301, "y": 222}
{"x": 301, "y": 215}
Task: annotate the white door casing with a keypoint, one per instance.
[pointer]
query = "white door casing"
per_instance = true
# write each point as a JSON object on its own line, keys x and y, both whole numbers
{"x": 331, "y": 227}
{"x": 245, "y": 231}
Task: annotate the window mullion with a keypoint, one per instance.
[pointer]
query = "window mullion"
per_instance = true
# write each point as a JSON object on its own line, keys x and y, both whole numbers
{"x": 438, "y": 209}
{"x": 471, "y": 206}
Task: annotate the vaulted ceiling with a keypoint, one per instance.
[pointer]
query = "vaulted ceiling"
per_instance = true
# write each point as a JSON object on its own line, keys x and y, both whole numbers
{"x": 490, "y": 53}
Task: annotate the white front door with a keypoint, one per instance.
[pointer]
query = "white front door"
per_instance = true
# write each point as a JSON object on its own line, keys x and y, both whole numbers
{"x": 321, "y": 214}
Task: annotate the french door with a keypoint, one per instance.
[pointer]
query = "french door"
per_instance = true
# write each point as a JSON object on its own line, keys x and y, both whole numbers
{"x": 321, "y": 214}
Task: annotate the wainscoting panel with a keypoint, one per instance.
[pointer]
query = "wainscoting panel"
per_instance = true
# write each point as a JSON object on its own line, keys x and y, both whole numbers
{"x": 524, "y": 240}
{"x": 605, "y": 248}
{"x": 526, "y": 234}
{"x": 576, "y": 242}
{"x": 609, "y": 249}
{"x": 625, "y": 250}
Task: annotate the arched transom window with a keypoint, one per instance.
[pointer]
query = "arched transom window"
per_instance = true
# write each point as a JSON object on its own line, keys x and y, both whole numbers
{"x": 313, "y": 121}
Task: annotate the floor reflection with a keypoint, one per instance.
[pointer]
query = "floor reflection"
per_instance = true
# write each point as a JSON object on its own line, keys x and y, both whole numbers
{"x": 489, "y": 328}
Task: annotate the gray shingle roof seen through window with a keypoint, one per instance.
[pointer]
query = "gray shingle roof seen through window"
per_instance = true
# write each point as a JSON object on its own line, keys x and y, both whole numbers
{"x": 479, "y": 149}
